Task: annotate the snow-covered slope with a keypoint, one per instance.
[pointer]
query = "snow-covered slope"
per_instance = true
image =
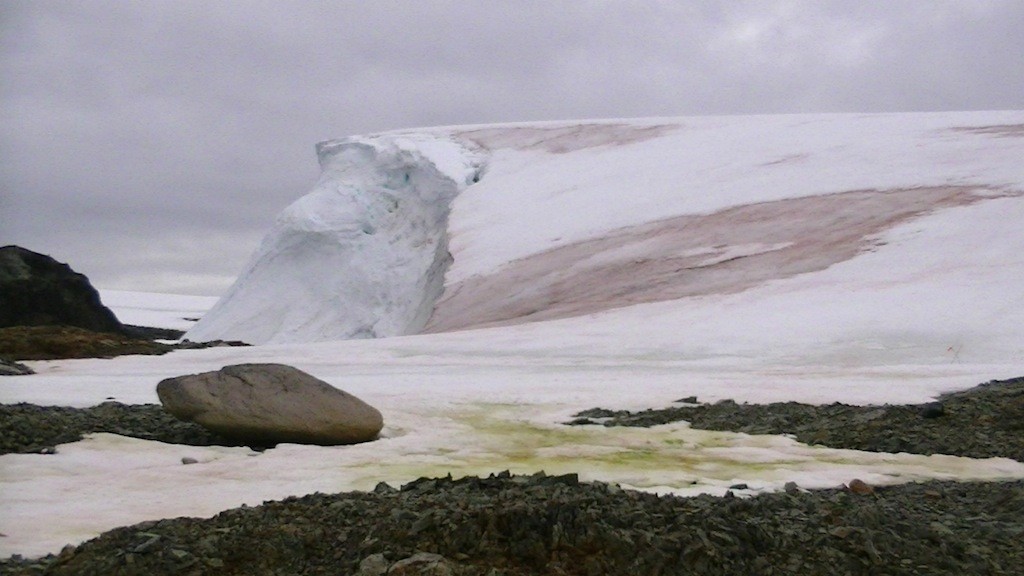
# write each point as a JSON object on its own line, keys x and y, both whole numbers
{"x": 576, "y": 218}
{"x": 361, "y": 256}
{"x": 178, "y": 312}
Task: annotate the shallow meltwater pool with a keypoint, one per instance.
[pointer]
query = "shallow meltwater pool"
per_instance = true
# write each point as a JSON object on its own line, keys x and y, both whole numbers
{"x": 669, "y": 458}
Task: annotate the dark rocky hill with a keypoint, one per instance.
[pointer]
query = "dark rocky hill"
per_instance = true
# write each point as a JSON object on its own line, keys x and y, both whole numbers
{"x": 36, "y": 290}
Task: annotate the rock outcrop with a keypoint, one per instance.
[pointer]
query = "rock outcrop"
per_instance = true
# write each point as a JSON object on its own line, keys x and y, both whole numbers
{"x": 36, "y": 290}
{"x": 266, "y": 404}
{"x": 11, "y": 368}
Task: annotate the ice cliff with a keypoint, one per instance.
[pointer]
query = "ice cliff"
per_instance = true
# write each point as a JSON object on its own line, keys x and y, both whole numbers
{"x": 368, "y": 244}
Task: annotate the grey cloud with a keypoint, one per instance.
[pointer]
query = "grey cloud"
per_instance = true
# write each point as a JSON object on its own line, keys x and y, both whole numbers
{"x": 150, "y": 144}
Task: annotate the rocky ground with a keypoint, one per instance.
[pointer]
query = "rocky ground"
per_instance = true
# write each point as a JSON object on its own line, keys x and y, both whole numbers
{"x": 55, "y": 342}
{"x": 556, "y": 525}
{"x": 27, "y": 428}
{"x": 982, "y": 422}
{"x": 62, "y": 342}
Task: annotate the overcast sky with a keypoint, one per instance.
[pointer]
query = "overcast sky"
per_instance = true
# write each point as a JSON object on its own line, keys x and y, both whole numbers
{"x": 150, "y": 144}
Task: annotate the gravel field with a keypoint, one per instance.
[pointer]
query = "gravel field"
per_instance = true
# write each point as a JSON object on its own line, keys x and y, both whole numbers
{"x": 539, "y": 524}
{"x": 27, "y": 428}
{"x": 555, "y": 525}
{"x": 982, "y": 422}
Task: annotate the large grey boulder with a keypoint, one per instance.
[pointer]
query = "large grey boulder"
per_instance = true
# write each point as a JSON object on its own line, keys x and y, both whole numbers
{"x": 265, "y": 404}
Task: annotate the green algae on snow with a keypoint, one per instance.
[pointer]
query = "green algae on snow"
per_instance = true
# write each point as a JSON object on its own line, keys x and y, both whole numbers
{"x": 673, "y": 457}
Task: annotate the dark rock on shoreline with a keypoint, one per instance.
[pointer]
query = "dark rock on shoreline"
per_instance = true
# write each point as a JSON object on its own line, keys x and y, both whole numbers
{"x": 982, "y": 422}
{"x": 190, "y": 345}
{"x": 69, "y": 342}
{"x": 36, "y": 290}
{"x": 63, "y": 342}
{"x": 27, "y": 428}
{"x": 50, "y": 312}
{"x": 151, "y": 333}
{"x": 11, "y": 368}
{"x": 524, "y": 525}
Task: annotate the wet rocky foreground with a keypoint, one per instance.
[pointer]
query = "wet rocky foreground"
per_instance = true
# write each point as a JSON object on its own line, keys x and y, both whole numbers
{"x": 981, "y": 422}
{"x": 518, "y": 525}
{"x": 28, "y": 428}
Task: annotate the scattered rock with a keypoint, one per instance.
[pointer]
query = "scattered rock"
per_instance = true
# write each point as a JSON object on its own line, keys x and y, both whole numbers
{"x": 190, "y": 345}
{"x": 27, "y": 428}
{"x": 189, "y": 460}
{"x": 151, "y": 541}
{"x": 524, "y": 525}
{"x": 384, "y": 488}
{"x": 11, "y": 368}
{"x": 580, "y": 422}
{"x": 269, "y": 404}
{"x": 860, "y": 487}
{"x": 601, "y": 413}
{"x": 421, "y": 564}
{"x": 940, "y": 529}
{"x": 59, "y": 342}
{"x": 687, "y": 400}
{"x": 373, "y": 565}
{"x": 520, "y": 525}
{"x": 152, "y": 333}
{"x": 981, "y": 422}
{"x": 841, "y": 531}
{"x": 740, "y": 486}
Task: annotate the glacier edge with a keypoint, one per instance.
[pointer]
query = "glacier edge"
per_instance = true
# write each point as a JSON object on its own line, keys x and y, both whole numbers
{"x": 362, "y": 255}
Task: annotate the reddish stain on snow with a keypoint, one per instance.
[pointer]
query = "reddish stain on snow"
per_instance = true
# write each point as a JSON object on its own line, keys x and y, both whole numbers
{"x": 724, "y": 252}
{"x": 562, "y": 139}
